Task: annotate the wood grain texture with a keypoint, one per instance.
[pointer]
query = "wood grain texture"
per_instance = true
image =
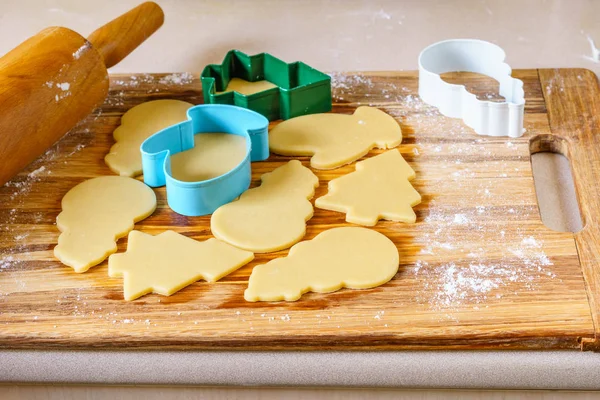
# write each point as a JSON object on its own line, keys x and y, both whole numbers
{"x": 54, "y": 79}
{"x": 44, "y": 92}
{"x": 573, "y": 99}
{"x": 115, "y": 40}
{"x": 478, "y": 270}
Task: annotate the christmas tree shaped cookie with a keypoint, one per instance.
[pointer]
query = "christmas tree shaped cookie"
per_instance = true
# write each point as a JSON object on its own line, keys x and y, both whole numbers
{"x": 272, "y": 216}
{"x": 350, "y": 257}
{"x": 378, "y": 189}
{"x": 169, "y": 261}
{"x": 335, "y": 139}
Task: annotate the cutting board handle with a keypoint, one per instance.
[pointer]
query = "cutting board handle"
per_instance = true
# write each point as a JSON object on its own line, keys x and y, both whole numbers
{"x": 115, "y": 40}
{"x": 572, "y": 97}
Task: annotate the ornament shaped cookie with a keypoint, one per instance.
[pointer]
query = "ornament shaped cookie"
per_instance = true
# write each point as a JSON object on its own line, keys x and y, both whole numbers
{"x": 378, "y": 189}
{"x": 169, "y": 261}
{"x": 348, "y": 257}
{"x": 247, "y": 88}
{"x": 272, "y": 216}
{"x": 334, "y": 140}
{"x": 95, "y": 214}
{"x": 137, "y": 124}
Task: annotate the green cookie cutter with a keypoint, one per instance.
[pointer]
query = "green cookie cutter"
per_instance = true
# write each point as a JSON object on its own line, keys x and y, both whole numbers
{"x": 300, "y": 89}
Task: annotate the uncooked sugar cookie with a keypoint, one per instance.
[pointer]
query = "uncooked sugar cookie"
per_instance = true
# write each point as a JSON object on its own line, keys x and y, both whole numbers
{"x": 350, "y": 257}
{"x": 378, "y": 189}
{"x": 335, "y": 139}
{"x": 247, "y": 88}
{"x": 95, "y": 214}
{"x": 272, "y": 216}
{"x": 137, "y": 124}
{"x": 213, "y": 155}
{"x": 169, "y": 261}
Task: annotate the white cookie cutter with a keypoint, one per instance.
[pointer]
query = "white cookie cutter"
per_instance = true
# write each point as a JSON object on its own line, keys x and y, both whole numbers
{"x": 472, "y": 55}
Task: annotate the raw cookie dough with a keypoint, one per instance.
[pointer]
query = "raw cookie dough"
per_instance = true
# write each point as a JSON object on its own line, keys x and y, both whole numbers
{"x": 335, "y": 139}
{"x": 95, "y": 214}
{"x": 272, "y": 216}
{"x": 213, "y": 154}
{"x": 168, "y": 262}
{"x": 247, "y": 88}
{"x": 137, "y": 124}
{"x": 378, "y": 189}
{"x": 350, "y": 257}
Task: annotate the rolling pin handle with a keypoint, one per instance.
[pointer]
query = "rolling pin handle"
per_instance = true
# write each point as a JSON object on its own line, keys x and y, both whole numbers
{"x": 115, "y": 40}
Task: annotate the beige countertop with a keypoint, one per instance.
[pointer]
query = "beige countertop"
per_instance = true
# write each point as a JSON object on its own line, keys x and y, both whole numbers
{"x": 331, "y": 35}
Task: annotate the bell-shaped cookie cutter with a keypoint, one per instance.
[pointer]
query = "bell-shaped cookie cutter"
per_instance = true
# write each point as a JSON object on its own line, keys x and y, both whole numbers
{"x": 472, "y": 55}
{"x": 204, "y": 197}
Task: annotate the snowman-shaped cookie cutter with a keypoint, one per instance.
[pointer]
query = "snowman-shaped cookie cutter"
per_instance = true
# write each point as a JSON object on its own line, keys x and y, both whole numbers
{"x": 204, "y": 197}
{"x": 472, "y": 55}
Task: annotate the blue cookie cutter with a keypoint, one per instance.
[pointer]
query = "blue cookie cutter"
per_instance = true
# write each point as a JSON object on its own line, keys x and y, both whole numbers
{"x": 204, "y": 197}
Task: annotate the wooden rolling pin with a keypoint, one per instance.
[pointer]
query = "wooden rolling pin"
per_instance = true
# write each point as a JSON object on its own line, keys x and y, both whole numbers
{"x": 56, "y": 78}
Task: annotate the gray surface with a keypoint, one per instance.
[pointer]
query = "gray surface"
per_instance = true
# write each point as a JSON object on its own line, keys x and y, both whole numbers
{"x": 458, "y": 369}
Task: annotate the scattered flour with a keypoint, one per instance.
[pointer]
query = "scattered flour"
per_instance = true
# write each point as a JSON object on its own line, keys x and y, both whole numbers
{"x": 37, "y": 172}
{"x": 6, "y": 262}
{"x": 77, "y": 54}
{"x": 478, "y": 275}
{"x": 475, "y": 278}
{"x": 134, "y": 81}
{"x": 460, "y": 219}
{"x": 183, "y": 78}
{"x": 19, "y": 223}
{"x": 595, "y": 57}
{"x": 63, "y": 88}
{"x": 381, "y": 14}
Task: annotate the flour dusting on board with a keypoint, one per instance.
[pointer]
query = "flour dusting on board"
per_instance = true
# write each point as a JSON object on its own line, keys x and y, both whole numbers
{"x": 513, "y": 260}
{"x": 134, "y": 81}
{"x": 19, "y": 188}
{"x": 20, "y": 224}
{"x": 183, "y": 78}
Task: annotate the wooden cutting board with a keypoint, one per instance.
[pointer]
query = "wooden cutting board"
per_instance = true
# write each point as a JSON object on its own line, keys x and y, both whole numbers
{"x": 479, "y": 270}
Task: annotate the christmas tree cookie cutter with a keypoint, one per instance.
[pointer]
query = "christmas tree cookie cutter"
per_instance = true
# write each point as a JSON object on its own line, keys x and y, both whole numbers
{"x": 300, "y": 89}
{"x": 204, "y": 197}
{"x": 472, "y": 55}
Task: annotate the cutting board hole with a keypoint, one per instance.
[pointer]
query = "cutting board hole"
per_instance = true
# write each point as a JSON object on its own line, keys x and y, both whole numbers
{"x": 554, "y": 186}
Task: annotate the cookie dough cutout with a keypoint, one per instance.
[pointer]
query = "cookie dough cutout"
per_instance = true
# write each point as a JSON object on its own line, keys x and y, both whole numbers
{"x": 95, "y": 214}
{"x": 378, "y": 189}
{"x": 137, "y": 124}
{"x": 348, "y": 257}
{"x": 169, "y": 261}
{"x": 272, "y": 216}
{"x": 334, "y": 140}
{"x": 213, "y": 154}
{"x": 247, "y": 88}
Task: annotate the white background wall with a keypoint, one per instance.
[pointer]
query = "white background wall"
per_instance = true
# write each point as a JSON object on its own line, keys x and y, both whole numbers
{"x": 331, "y": 35}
